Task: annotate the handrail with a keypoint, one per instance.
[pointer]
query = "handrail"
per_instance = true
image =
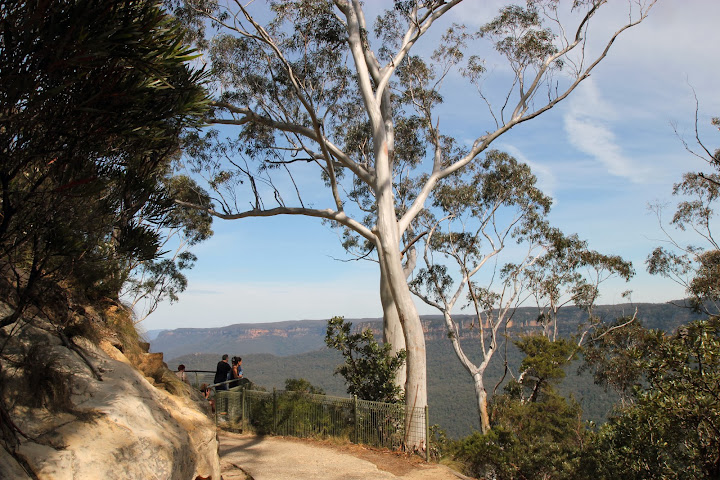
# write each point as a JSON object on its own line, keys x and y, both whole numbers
{"x": 223, "y": 383}
{"x": 196, "y": 372}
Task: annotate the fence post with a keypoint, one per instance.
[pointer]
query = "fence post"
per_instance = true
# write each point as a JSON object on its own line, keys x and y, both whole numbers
{"x": 427, "y": 435}
{"x": 355, "y": 418}
{"x": 274, "y": 410}
{"x": 244, "y": 409}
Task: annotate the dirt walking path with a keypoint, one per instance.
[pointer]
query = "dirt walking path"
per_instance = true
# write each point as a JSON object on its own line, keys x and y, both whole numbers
{"x": 250, "y": 457}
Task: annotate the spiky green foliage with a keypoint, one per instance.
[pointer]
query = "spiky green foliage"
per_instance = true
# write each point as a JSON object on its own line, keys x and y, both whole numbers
{"x": 369, "y": 369}
{"x": 94, "y": 98}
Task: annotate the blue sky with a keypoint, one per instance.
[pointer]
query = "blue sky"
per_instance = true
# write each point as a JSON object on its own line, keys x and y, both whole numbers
{"x": 603, "y": 155}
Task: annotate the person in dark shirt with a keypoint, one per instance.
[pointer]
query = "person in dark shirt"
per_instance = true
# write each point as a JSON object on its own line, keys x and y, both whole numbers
{"x": 237, "y": 372}
{"x": 221, "y": 372}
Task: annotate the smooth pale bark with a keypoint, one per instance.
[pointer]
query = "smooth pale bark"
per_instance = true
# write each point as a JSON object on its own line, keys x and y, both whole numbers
{"x": 392, "y": 329}
{"x": 481, "y": 396}
{"x": 388, "y": 242}
{"x": 477, "y": 372}
{"x": 416, "y": 380}
{"x": 386, "y": 231}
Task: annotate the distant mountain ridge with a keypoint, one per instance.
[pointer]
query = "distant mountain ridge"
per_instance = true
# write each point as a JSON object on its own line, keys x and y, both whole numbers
{"x": 295, "y": 337}
{"x": 151, "y": 335}
{"x": 278, "y": 338}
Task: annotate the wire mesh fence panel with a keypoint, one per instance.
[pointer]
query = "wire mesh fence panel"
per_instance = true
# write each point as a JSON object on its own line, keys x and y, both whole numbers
{"x": 302, "y": 414}
{"x": 417, "y": 428}
{"x": 380, "y": 424}
{"x": 198, "y": 377}
{"x": 230, "y": 407}
{"x": 259, "y": 411}
{"x": 307, "y": 415}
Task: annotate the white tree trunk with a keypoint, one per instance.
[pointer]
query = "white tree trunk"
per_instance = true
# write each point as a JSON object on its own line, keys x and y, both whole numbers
{"x": 481, "y": 396}
{"x": 392, "y": 330}
{"x": 416, "y": 380}
{"x": 477, "y": 373}
{"x": 388, "y": 244}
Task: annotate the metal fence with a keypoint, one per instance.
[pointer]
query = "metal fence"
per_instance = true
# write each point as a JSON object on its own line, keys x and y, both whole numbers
{"x": 198, "y": 377}
{"x": 300, "y": 414}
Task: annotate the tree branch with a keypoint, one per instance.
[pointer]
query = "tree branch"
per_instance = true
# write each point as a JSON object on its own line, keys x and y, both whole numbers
{"x": 328, "y": 214}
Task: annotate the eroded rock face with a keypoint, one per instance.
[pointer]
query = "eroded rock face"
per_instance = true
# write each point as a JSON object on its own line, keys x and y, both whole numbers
{"x": 119, "y": 427}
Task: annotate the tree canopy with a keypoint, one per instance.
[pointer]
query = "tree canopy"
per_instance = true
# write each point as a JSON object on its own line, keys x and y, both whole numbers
{"x": 669, "y": 424}
{"x": 693, "y": 262}
{"x": 94, "y": 97}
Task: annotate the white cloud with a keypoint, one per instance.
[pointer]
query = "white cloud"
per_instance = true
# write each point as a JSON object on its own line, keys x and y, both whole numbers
{"x": 587, "y": 124}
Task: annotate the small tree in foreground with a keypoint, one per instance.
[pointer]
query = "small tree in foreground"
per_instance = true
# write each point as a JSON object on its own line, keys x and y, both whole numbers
{"x": 536, "y": 432}
{"x": 370, "y": 368}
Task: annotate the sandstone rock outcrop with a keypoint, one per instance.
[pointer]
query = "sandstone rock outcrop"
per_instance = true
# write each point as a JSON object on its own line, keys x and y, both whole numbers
{"x": 97, "y": 417}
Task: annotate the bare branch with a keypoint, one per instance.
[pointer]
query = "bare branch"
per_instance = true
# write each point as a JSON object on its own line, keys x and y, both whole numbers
{"x": 339, "y": 217}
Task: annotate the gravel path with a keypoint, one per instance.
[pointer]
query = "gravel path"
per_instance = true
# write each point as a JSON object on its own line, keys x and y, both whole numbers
{"x": 250, "y": 457}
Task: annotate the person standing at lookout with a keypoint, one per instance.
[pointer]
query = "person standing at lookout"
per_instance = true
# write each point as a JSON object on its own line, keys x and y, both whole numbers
{"x": 181, "y": 373}
{"x": 221, "y": 372}
{"x": 237, "y": 372}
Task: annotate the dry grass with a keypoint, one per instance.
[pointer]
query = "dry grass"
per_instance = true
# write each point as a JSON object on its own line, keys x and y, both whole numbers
{"x": 47, "y": 386}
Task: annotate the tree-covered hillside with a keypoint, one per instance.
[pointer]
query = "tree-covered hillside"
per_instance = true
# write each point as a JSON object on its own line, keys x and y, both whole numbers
{"x": 451, "y": 399}
{"x": 451, "y": 394}
{"x": 295, "y": 337}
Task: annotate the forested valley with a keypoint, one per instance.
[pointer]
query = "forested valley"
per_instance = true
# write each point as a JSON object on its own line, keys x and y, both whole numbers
{"x": 451, "y": 400}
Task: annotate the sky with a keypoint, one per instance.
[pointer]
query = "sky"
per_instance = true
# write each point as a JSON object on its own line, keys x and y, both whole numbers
{"x": 603, "y": 155}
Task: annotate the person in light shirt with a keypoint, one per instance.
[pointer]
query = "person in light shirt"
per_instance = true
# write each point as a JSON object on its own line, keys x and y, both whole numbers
{"x": 181, "y": 373}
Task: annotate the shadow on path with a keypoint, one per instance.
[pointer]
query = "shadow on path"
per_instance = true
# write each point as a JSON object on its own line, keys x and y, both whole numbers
{"x": 250, "y": 457}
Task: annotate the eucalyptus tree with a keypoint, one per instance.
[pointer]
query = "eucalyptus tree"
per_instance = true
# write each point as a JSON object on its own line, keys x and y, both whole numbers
{"x": 496, "y": 241}
{"x": 495, "y": 204}
{"x": 571, "y": 274}
{"x": 696, "y": 265}
{"x": 669, "y": 423}
{"x": 312, "y": 86}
